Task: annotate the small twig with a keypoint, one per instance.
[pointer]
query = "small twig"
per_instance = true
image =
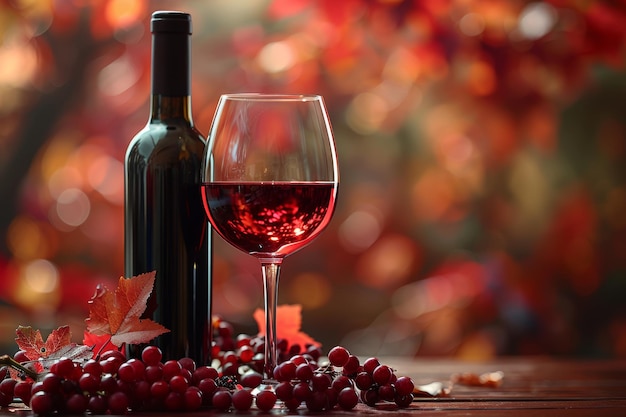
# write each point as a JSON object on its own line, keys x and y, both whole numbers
{"x": 9, "y": 361}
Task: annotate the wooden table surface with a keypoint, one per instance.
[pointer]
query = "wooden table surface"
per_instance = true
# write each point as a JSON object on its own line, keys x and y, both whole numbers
{"x": 529, "y": 387}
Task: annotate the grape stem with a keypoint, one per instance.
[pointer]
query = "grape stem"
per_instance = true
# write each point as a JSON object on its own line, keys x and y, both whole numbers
{"x": 9, "y": 361}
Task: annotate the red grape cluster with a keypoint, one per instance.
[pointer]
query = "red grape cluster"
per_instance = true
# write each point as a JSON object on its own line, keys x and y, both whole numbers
{"x": 339, "y": 383}
{"x": 230, "y": 350}
{"x": 117, "y": 385}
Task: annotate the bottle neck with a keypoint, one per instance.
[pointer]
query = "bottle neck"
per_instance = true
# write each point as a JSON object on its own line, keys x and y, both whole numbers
{"x": 171, "y": 64}
{"x": 171, "y": 108}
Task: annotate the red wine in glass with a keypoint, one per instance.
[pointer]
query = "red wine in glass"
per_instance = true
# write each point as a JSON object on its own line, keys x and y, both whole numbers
{"x": 277, "y": 217}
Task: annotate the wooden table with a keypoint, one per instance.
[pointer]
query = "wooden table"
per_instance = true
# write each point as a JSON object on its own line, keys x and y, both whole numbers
{"x": 530, "y": 387}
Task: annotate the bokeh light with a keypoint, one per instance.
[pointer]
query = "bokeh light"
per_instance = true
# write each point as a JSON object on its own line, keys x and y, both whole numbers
{"x": 481, "y": 148}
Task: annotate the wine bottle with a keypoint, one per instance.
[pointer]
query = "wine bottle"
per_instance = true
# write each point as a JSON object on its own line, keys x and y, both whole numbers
{"x": 165, "y": 227}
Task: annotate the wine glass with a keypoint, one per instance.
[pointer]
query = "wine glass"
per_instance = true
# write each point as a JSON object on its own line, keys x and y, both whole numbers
{"x": 270, "y": 181}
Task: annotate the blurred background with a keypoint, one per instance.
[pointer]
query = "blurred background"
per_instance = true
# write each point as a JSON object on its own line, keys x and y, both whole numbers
{"x": 482, "y": 146}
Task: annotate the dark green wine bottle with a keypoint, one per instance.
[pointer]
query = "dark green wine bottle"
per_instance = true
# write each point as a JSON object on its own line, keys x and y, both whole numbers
{"x": 165, "y": 227}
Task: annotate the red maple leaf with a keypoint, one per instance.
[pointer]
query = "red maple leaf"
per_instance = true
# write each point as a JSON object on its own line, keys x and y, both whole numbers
{"x": 31, "y": 342}
{"x": 288, "y": 324}
{"x": 117, "y": 314}
{"x": 58, "y": 344}
{"x": 99, "y": 344}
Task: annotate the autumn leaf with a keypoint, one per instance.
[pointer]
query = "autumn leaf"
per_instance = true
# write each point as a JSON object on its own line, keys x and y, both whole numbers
{"x": 58, "y": 345}
{"x": 288, "y": 324}
{"x": 99, "y": 344}
{"x": 117, "y": 314}
{"x": 31, "y": 342}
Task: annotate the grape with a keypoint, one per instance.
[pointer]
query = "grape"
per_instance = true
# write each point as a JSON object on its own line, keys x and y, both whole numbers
{"x": 171, "y": 368}
{"x": 7, "y": 387}
{"x": 207, "y": 386}
{"x": 302, "y": 391}
{"x": 225, "y": 329}
{"x": 351, "y": 366}
{"x": 51, "y": 382}
{"x": 138, "y": 366}
{"x": 331, "y": 396}
{"x": 320, "y": 382}
{"x": 159, "y": 389}
{"x": 37, "y": 386}
{"x": 304, "y": 372}
{"x": 203, "y": 372}
{"x": 5, "y": 400}
{"x": 292, "y": 404}
{"x": 154, "y": 373}
{"x": 340, "y": 382}
{"x": 41, "y": 403}
{"x": 284, "y": 390}
{"x": 179, "y": 384}
{"x": 93, "y": 367}
{"x": 173, "y": 401}
{"x": 285, "y": 371}
{"x": 192, "y": 399}
{"x": 141, "y": 391}
{"x": 20, "y": 356}
{"x": 151, "y": 355}
{"x": 108, "y": 384}
{"x": 222, "y": 400}
{"x": 230, "y": 357}
{"x": 370, "y": 364}
{"x": 22, "y": 390}
{"x": 404, "y": 386}
{"x": 404, "y": 401}
{"x": 265, "y": 400}
{"x": 251, "y": 379}
{"x": 386, "y": 392}
{"x": 126, "y": 372}
{"x": 187, "y": 363}
{"x": 97, "y": 404}
{"x": 242, "y": 400}
{"x": 370, "y": 397}
{"x": 338, "y": 356}
{"x": 246, "y": 353}
{"x": 382, "y": 374}
{"x": 63, "y": 367}
{"x": 89, "y": 383}
{"x": 111, "y": 365}
{"x": 113, "y": 353}
{"x": 347, "y": 398}
{"x": 317, "y": 401}
{"x": 363, "y": 380}
{"x": 76, "y": 404}
{"x": 230, "y": 368}
{"x": 118, "y": 403}
{"x": 125, "y": 387}
{"x": 299, "y": 360}
{"x": 243, "y": 340}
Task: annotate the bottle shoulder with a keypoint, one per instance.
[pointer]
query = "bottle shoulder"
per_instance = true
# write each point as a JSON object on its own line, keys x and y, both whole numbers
{"x": 158, "y": 138}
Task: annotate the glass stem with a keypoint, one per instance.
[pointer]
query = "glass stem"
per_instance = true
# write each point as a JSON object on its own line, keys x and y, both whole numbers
{"x": 271, "y": 272}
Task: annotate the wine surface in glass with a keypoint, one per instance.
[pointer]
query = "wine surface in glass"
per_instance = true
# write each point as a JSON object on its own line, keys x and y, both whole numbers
{"x": 269, "y": 218}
